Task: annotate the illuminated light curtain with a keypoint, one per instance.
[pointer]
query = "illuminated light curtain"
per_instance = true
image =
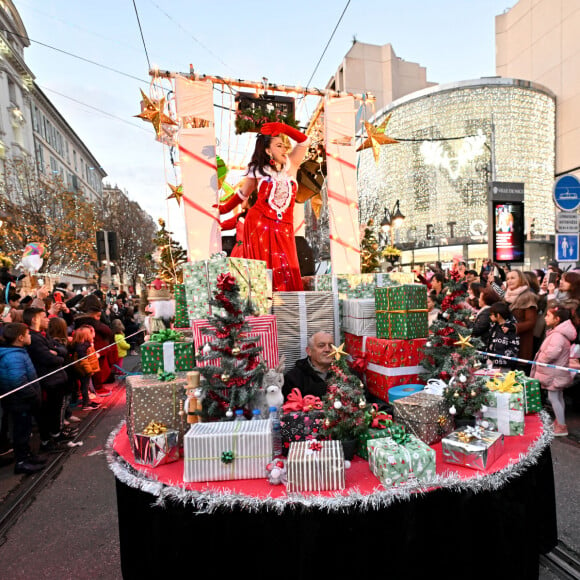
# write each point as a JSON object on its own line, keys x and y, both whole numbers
{"x": 339, "y": 118}
{"x": 197, "y": 161}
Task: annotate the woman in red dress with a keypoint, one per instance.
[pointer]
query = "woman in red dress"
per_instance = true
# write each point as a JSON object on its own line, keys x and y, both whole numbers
{"x": 269, "y": 224}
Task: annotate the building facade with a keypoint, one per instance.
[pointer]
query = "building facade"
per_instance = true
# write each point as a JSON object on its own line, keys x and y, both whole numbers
{"x": 453, "y": 141}
{"x": 369, "y": 68}
{"x": 30, "y": 125}
{"x": 538, "y": 40}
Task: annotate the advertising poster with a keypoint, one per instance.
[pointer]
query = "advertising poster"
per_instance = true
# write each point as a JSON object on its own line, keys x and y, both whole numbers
{"x": 508, "y": 230}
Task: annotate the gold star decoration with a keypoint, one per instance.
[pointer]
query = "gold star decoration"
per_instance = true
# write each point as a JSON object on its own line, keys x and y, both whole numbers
{"x": 177, "y": 192}
{"x": 463, "y": 342}
{"x": 153, "y": 112}
{"x": 337, "y": 351}
{"x": 376, "y": 138}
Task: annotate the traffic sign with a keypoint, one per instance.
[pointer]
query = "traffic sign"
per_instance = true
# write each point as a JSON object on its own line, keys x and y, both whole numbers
{"x": 567, "y": 248}
{"x": 567, "y": 193}
{"x": 567, "y": 222}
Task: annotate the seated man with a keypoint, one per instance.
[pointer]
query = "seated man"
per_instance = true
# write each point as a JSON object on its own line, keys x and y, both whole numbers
{"x": 309, "y": 374}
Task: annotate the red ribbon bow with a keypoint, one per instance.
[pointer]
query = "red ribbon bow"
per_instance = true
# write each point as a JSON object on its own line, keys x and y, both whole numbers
{"x": 226, "y": 282}
{"x": 360, "y": 363}
{"x": 315, "y": 446}
{"x": 380, "y": 419}
{"x": 295, "y": 402}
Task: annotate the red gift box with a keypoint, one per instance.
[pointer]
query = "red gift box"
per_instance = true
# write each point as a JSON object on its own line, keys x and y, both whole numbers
{"x": 262, "y": 327}
{"x": 389, "y": 363}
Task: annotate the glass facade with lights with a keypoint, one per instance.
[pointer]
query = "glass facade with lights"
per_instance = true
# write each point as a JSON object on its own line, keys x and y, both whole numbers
{"x": 453, "y": 140}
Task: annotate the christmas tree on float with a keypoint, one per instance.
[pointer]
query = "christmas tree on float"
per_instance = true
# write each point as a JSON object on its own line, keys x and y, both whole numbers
{"x": 235, "y": 371}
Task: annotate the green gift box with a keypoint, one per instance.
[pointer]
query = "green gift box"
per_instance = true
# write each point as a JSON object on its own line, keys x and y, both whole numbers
{"x": 505, "y": 412}
{"x": 167, "y": 356}
{"x": 181, "y": 315}
{"x": 532, "y": 392}
{"x": 402, "y": 311}
{"x": 362, "y": 450}
{"x": 396, "y": 463}
{"x": 150, "y": 399}
{"x": 200, "y": 280}
{"x": 359, "y": 285}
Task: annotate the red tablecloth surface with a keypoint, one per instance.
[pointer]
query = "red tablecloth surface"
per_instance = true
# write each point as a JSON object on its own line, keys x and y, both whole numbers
{"x": 358, "y": 477}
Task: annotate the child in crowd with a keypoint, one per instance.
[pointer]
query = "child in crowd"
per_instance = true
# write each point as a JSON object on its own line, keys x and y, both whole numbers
{"x": 58, "y": 331}
{"x": 16, "y": 370}
{"x": 503, "y": 337}
{"x": 87, "y": 362}
{"x": 123, "y": 347}
{"x": 555, "y": 350}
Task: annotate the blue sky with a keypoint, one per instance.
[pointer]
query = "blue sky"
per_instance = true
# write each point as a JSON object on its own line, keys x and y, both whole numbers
{"x": 453, "y": 39}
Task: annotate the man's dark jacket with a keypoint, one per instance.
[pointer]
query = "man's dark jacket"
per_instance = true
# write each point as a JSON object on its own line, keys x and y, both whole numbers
{"x": 304, "y": 378}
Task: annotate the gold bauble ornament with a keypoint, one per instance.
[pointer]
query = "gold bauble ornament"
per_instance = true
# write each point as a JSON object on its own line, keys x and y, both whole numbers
{"x": 362, "y": 404}
{"x": 236, "y": 350}
{"x": 327, "y": 423}
{"x": 225, "y": 377}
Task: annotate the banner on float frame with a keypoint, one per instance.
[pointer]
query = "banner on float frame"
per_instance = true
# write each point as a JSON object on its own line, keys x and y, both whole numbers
{"x": 339, "y": 117}
{"x": 197, "y": 161}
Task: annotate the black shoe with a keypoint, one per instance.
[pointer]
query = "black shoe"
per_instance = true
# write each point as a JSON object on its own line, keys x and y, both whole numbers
{"x": 27, "y": 468}
{"x": 50, "y": 446}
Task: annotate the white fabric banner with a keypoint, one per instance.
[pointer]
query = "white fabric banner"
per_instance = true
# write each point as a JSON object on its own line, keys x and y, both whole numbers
{"x": 339, "y": 116}
{"x": 197, "y": 161}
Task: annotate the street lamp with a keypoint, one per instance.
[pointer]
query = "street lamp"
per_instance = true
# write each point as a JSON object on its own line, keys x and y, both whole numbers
{"x": 393, "y": 219}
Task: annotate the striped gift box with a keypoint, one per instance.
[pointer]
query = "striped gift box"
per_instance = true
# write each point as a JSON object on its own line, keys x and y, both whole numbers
{"x": 227, "y": 450}
{"x": 308, "y": 469}
{"x": 359, "y": 317}
{"x": 263, "y": 328}
{"x": 299, "y": 315}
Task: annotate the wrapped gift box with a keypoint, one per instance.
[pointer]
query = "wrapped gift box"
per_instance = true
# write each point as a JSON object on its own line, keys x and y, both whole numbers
{"x": 395, "y": 463}
{"x": 532, "y": 392}
{"x": 167, "y": 356}
{"x": 299, "y": 315}
{"x": 389, "y": 362}
{"x": 315, "y": 469}
{"x": 155, "y": 450}
{"x": 300, "y": 426}
{"x": 359, "y": 285}
{"x": 475, "y": 448}
{"x": 227, "y": 450}
{"x": 505, "y": 412}
{"x": 402, "y": 311}
{"x": 424, "y": 415}
{"x": 181, "y": 315}
{"x": 200, "y": 280}
{"x": 371, "y": 434}
{"x": 262, "y": 328}
{"x": 150, "y": 399}
{"x": 358, "y": 316}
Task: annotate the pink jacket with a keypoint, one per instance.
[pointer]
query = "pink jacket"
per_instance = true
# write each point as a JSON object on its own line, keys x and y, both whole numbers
{"x": 555, "y": 350}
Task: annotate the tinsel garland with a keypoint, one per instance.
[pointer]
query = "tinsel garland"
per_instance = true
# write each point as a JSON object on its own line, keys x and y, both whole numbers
{"x": 208, "y": 502}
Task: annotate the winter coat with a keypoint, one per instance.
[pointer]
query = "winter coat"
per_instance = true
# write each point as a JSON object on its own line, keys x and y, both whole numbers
{"x": 45, "y": 362}
{"x": 504, "y": 340}
{"x": 103, "y": 339}
{"x": 524, "y": 309}
{"x": 555, "y": 350}
{"x": 123, "y": 347}
{"x": 482, "y": 325}
{"x": 304, "y": 378}
{"x": 85, "y": 366}
{"x": 16, "y": 369}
